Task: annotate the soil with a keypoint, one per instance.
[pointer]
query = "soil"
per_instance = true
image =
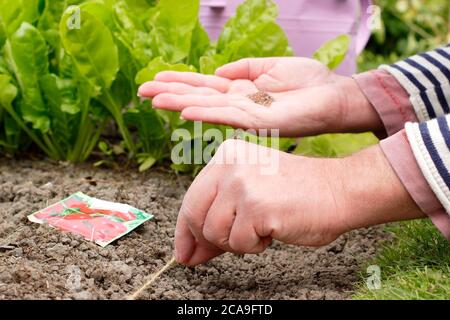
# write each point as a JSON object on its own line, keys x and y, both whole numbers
{"x": 38, "y": 262}
{"x": 262, "y": 98}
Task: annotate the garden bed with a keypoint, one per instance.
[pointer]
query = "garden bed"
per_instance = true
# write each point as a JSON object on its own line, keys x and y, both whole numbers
{"x": 37, "y": 262}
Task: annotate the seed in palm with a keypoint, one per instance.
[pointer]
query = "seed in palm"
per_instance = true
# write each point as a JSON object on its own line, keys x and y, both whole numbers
{"x": 262, "y": 98}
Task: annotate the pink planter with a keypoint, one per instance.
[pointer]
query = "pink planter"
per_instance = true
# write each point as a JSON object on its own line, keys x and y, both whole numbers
{"x": 307, "y": 23}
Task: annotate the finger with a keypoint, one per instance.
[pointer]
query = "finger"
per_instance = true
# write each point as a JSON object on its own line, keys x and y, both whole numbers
{"x": 177, "y": 102}
{"x": 188, "y": 250}
{"x": 184, "y": 241}
{"x": 219, "y": 221}
{"x": 203, "y": 253}
{"x": 249, "y": 68}
{"x": 153, "y": 88}
{"x": 194, "y": 208}
{"x": 230, "y": 116}
{"x": 243, "y": 237}
{"x": 195, "y": 79}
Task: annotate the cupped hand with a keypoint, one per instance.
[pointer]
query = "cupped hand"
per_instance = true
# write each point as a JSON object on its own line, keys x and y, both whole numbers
{"x": 308, "y": 98}
{"x": 248, "y": 195}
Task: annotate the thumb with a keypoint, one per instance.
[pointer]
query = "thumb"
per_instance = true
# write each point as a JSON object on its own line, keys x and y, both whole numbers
{"x": 249, "y": 68}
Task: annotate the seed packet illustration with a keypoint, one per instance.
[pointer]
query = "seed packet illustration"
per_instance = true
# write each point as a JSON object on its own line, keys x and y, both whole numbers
{"x": 96, "y": 220}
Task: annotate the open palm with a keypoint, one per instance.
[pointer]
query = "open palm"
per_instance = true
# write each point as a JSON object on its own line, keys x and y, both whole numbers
{"x": 306, "y": 98}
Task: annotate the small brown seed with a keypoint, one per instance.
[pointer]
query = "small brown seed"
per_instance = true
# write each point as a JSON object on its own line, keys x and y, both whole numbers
{"x": 262, "y": 98}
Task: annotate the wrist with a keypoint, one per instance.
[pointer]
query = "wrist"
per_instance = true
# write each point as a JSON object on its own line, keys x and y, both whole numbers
{"x": 373, "y": 192}
{"x": 357, "y": 113}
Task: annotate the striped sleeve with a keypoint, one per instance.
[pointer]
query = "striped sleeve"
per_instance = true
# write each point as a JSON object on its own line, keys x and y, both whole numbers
{"x": 426, "y": 78}
{"x": 430, "y": 143}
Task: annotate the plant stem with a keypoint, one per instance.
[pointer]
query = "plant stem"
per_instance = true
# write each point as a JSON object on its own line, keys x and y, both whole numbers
{"x": 59, "y": 153}
{"x": 117, "y": 115}
{"x": 31, "y": 134}
{"x": 75, "y": 153}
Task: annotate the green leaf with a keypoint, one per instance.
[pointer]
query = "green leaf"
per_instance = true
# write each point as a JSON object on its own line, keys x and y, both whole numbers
{"x": 150, "y": 128}
{"x": 14, "y": 12}
{"x": 199, "y": 45}
{"x": 101, "y": 11}
{"x": 92, "y": 49}
{"x": 104, "y": 148}
{"x": 172, "y": 29}
{"x": 60, "y": 95}
{"x": 2, "y": 34}
{"x": 147, "y": 164}
{"x": 265, "y": 41}
{"x": 209, "y": 64}
{"x": 140, "y": 7}
{"x": 249, "y": 16}
{"x": 157, "y": 65}
{"x": 27, "y": 55}
{"x": 253, "y": 32}
{"x": 334, "y": 145}
{"x": 333, "y": 52}
{"x": 8, "y": 92}
{"x": 49, "y": 21}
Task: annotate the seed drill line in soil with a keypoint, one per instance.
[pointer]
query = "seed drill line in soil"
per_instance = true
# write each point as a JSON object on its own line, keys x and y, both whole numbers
{"x": 152, "y": 279}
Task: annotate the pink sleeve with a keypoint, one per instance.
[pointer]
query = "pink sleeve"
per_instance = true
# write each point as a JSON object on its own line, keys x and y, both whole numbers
{"x": 388, "y": 97}
{"x": 391, "y": 101}
{"x": 398, "y": 151}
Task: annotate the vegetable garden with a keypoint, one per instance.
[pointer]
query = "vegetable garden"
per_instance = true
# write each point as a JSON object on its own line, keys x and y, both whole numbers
{"x": 71, "y": 120}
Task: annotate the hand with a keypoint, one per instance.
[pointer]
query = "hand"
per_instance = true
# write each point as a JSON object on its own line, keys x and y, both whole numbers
{"x": 309, "y": 98}
{"x": 233, "y": 207}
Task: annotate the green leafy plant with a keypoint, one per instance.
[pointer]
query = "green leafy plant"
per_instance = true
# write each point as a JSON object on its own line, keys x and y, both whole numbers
{"x": 53, "y": 103}
{"x": 405, "y": 28}
{"x": 70, "y": 68}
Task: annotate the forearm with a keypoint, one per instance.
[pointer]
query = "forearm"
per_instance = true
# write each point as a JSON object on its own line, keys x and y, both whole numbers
{"x": 374, "y": 192}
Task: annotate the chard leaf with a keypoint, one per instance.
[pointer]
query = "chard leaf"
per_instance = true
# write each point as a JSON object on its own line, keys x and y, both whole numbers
{"x": 14, "y": 12}
{"x": 60, "y": 96}
{"x": 12, "y": 132}
{"x": 8, "y": 92}
{"x": 199, "y": 45}
{"x": 249, "y": 16}
{"x": 140, "y": 7}
{"x": 157, "y": 65}
{"x": 49, "y": 21}
{"x": 101, "y": 11}
{"x": 2, "y": 34}
{"x": 150, "y": 128}
{"x": 333, "y": 52}
{"x": 132, "y": 36}
{"x": 209, "y": 64}
{"x": 172, "y": 28}
{"x": 92, "y": 49}
{"x": 334, "y": 145}
{"x": 265, "y": 41}
{"x": 253, "y": 32}
{"x": 27, "y": 55}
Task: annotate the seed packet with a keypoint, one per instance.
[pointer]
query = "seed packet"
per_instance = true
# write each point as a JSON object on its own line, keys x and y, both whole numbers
{"x": 96, "y": 220}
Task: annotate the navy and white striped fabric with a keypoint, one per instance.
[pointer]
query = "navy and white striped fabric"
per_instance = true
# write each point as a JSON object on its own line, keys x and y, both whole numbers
{"x": 426, "y": 77}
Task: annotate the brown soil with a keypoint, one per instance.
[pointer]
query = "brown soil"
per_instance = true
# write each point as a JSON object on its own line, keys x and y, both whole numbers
{"x": 37, "y": 262}
{"x": 262, "y": 98}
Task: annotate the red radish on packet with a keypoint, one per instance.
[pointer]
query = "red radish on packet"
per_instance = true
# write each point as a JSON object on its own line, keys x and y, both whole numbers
{"x": 96, "y": 220}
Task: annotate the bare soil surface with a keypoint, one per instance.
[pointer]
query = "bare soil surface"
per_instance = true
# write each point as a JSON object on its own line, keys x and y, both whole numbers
{"x": 38, "y": 262}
